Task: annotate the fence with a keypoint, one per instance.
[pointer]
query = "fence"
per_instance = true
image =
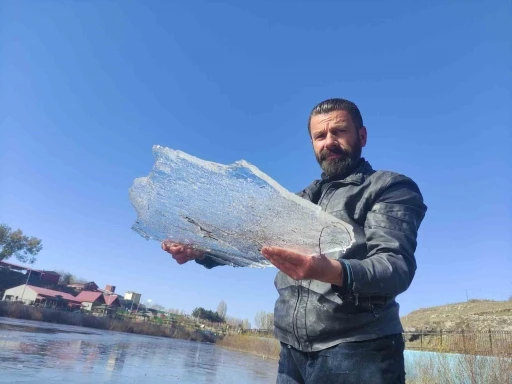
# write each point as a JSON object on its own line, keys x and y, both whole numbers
{"x": 463, "y": 341}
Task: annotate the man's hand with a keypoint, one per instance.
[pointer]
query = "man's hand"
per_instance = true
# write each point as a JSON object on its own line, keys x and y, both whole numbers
{"x": 181, "y": 253}
{"x": 302, "y": 267}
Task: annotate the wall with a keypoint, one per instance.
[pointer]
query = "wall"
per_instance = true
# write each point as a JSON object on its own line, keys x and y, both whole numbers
{"x": 29, "y": 295}
{"x": 132, "y": 296}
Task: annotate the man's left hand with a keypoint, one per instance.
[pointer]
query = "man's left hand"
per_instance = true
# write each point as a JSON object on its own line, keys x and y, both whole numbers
{"x": 303, "y": 267}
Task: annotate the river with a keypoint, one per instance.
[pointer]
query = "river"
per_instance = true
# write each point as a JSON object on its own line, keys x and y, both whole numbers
{"x": 36, "y": 352}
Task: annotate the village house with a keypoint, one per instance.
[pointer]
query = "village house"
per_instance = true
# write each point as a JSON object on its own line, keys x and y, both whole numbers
{"x": 98, "y": 301}
{"x": 30, "y": 294}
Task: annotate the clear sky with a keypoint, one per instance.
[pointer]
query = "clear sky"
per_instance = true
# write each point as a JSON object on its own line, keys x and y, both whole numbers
{"x": 87, "y": 87}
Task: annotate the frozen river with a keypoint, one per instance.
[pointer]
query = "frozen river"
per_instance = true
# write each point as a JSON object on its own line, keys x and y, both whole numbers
{"x": 35, "y": 352}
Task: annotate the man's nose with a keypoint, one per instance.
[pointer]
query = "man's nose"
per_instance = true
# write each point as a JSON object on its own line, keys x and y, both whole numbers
{"x": 331, "y": 142}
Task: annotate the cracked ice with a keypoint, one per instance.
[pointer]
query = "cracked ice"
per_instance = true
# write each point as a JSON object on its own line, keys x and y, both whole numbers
{"x": 229, "y": 211}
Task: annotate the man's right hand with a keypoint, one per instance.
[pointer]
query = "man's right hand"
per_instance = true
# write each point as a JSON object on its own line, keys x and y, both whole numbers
{"x": 181, "y": 253}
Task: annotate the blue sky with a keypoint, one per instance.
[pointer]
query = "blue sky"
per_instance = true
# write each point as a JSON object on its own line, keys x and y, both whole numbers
{"x": 87, "y": 87}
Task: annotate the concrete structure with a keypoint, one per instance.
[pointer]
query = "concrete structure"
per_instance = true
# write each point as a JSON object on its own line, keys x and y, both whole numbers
{"x": 132, "y": 296}
{"x": 30, "y": 294}
{"x": 110, "y": 288}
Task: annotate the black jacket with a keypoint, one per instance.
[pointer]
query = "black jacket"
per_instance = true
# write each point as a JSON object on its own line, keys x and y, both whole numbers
{"x": 385, "y": 210}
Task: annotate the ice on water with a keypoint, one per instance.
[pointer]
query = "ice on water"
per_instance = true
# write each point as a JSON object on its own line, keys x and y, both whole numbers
{"x": 230, "y": 211}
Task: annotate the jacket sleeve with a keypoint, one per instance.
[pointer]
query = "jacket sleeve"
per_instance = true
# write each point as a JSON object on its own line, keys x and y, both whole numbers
{"x": 391, "y": 229}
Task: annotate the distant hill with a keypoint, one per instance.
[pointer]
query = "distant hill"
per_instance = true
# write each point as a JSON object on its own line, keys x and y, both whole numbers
{"x": 477, "y": 315}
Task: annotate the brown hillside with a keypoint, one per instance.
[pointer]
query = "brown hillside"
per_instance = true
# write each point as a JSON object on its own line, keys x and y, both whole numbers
{"x": 477, "y": 315}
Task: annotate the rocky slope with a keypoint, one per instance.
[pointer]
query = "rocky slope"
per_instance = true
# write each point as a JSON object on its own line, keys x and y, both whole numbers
{"x": 476, "y": 315}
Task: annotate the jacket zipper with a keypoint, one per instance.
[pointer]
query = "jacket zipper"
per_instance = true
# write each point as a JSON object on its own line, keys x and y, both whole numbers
{"x": 294, "y": 318}
{"x": 299, "y": 284}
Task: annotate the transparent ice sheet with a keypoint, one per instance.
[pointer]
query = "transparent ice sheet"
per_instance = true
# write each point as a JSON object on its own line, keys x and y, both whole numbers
{"x": 229, "y": 211}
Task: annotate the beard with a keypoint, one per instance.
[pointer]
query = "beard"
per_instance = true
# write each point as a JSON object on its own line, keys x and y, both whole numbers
{"x": 343, "y": 164}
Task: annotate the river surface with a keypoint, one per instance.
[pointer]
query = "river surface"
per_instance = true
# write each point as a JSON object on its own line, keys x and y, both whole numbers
{"x": 36, "y": 352}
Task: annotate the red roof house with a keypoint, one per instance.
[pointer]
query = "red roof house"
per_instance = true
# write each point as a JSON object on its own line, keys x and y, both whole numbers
{"x": 31, "y": 294}
{"x": 90, "y": 299}
{"x": 50, "y": 293}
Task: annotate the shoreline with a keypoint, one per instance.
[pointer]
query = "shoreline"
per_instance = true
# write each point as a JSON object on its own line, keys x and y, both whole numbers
{"x": 273, "y": 358}
{"x": 46, "y": 315}
{"x": 264, "y": 347}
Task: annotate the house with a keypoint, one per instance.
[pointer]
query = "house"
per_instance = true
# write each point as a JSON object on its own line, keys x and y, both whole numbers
{"x": 90, "y": 300}
{"x": 50, "y": 277}
{"x": 30, "y": 294}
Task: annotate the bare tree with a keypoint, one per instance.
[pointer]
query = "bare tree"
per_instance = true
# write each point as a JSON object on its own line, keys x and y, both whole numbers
{"x": 261, "y": 320}
{"x": 246, "y": 324}
{"x": 222, "y": 309}
{"x": 270, "y": 321}
{"x": 233, "y": 321}
{"x": 66, "y": 278}
{"x": 264, "y": 320}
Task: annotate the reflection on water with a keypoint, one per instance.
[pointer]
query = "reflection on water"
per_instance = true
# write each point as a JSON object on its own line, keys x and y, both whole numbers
{"x": 33, "y": 352}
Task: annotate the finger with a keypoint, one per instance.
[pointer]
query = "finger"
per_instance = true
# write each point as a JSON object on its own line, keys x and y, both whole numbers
{"x": 283, "y": 266}
{"x": 177, "y": 248}
{"x": 169, "y": 247}
{"x": 181, "y": 258}
{"x": 284, "y": 254}
{"x": 179, "y": 255}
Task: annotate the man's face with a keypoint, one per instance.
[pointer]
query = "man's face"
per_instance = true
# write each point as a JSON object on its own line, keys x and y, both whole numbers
{"x": 337, "y": 142}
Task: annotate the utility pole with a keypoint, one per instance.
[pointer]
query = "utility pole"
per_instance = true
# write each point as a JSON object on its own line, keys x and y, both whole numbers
{"x": 138, "y": 305}
{"x": 26, "y": 283}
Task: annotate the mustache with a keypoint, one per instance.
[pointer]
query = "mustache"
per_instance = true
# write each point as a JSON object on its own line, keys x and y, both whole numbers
{"x": 326, "y": 153}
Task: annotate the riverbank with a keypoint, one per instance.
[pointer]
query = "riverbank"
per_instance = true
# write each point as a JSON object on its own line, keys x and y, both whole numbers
{"x": 267, "y": 348}
{"x": 26, "y": 312}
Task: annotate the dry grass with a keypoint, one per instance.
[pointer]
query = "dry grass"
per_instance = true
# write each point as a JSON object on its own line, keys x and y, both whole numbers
{"x": 20, "y": 311}
{"x": 261, "y": 346}
{"x": 438, "y": 368}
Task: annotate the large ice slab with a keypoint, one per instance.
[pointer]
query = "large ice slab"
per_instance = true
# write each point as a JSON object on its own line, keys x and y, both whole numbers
{"x": 230, "y": 211}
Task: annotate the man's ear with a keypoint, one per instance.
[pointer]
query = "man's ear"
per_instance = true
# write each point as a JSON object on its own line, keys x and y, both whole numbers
{"x": 363, "y": 135}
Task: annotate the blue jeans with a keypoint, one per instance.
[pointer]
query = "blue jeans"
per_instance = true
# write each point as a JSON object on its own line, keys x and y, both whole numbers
{"x": 377, "y": 361}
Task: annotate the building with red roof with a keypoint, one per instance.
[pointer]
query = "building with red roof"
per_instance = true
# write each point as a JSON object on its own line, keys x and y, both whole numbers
{"x": 30, "y": 294}
{"x": 92, "y": 299}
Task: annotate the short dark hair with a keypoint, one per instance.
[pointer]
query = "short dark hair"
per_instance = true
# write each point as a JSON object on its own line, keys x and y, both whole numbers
{"x": 331, "y": 105}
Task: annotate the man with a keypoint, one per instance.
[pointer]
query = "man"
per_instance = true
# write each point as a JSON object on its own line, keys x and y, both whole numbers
{"x": 336, "y": 316}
